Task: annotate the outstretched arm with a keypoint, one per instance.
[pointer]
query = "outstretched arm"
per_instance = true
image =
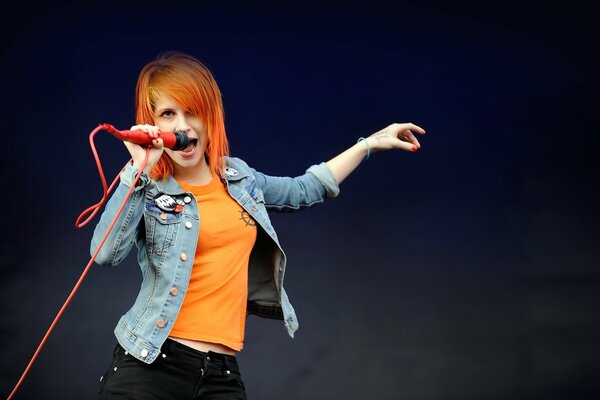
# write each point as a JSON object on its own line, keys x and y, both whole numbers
{"x": 394, "y": 136}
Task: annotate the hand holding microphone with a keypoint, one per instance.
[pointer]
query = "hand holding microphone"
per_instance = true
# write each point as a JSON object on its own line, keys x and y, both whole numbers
{"x": 150, "y": 136}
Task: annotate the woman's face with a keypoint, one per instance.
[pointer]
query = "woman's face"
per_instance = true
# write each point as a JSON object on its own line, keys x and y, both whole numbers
{"x": 169, "y": 116}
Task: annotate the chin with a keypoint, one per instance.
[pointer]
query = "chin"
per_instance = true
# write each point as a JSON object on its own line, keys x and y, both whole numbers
{"x": 187, "y": 163}
{"x": 182, "y": 160}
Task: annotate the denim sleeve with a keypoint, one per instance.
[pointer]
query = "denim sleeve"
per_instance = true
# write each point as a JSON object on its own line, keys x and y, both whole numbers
{"x": 290, "y": 194}
{"x": 123, "y": 234}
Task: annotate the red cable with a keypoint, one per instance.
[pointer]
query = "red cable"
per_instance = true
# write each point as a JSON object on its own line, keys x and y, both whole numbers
{"x": 96, "y": 207}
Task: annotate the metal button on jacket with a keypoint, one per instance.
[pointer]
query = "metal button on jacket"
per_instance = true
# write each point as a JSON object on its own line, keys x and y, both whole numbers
{"x": 160, "y": 323}
{"x": 163, "y": 216}
{"x": 144, "y": 353}
{"x": 188, "y": 224}
{"x": 183, "y": 256}
{"x": 187, "y": 199}
{"x": 174, "y": 291}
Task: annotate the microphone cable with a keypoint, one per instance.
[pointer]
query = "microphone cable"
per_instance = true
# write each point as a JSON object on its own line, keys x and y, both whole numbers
{"x": 78, "y": 224}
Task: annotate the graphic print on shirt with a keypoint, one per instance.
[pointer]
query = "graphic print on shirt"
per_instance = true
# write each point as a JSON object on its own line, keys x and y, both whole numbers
{"x": 248, "y": 220}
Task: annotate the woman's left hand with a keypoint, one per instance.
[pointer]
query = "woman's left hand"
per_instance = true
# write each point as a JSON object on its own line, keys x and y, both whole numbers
{"x": 396, "y": 136}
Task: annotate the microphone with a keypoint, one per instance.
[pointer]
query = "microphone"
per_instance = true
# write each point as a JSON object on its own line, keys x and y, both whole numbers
{"x": 175, "y": 140}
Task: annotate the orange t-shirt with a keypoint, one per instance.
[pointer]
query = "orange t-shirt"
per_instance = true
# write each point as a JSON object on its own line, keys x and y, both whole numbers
{"x": 214, "y": 307}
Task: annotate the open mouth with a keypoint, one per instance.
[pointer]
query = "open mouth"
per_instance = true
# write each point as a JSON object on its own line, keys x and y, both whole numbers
{"x": 191, "y": 146}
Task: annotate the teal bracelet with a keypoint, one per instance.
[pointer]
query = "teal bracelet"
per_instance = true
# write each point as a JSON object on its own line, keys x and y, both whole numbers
{"x": 368, "y": 147}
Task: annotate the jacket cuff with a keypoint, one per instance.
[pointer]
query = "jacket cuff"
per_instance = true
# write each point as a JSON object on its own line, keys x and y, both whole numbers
{"x": 324, "y": 175}
{"x": 128, "y": 176}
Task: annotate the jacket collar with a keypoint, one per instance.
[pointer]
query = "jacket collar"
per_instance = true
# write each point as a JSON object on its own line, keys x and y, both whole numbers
{"x": 234, "y": 171}
{"x": 169, "y": 186}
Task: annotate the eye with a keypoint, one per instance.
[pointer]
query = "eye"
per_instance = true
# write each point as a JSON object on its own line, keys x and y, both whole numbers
{"x": 167, "y": 114}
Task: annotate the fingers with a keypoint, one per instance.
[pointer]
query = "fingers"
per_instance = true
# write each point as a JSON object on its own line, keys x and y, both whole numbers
{"x": 150, "y": 129}
{"x": 158, "y": 144}
{"x": 138, "y": 153}
{"x": 401, "y": 144}
{"x": 153, "y": 132}
{"x": 406, "y": 135}
{"x": 410, "y": 126}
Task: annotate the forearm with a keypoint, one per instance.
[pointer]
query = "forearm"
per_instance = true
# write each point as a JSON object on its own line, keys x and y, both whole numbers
{"x": 122, "y": 236}
{"x": 394, "y": 136}
{"x": 344, "y": 163}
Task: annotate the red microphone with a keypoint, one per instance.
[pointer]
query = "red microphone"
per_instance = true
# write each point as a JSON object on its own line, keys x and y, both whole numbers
{"x": 175, "y": 140}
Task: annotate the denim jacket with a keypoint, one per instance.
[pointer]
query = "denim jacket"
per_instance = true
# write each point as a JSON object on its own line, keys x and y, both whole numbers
{"x": 166, "y": 245}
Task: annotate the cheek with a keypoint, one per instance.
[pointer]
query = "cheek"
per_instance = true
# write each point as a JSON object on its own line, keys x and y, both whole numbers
{"x": 164, "y": 127}
{"x": 205, "y": 134}
{"x": 169, "y": 152}
{"x": 199, "y": 128}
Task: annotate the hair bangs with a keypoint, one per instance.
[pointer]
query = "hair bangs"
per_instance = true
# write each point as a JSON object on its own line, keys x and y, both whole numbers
{"x": 194, "y": 88}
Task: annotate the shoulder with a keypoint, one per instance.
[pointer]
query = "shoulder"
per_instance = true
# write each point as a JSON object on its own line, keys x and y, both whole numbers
{"x": 237, "y": 163}
{"x": 236, "y": 169}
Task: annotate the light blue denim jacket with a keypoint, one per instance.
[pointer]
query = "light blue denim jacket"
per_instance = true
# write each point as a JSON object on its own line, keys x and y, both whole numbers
{"x": 166, "y": 243}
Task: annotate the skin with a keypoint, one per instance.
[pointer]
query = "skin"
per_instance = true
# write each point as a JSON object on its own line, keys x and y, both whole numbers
{"x": 191, "y": 166}
{"x": 394, "y": 136}
{"x": 169, "y": 116}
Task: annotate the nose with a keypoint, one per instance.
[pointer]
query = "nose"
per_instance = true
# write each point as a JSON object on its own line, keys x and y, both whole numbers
{"x": 182, "y": 123}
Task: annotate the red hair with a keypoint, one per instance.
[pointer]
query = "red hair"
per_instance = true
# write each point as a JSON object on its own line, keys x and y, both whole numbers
{"x": 192, "y": 85}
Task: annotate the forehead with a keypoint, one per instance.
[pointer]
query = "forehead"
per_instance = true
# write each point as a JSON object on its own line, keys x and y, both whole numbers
{"x": 165, "y": 101}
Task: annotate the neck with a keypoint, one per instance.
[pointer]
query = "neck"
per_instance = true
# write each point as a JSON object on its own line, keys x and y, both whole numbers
{"x": 199, "y": 175}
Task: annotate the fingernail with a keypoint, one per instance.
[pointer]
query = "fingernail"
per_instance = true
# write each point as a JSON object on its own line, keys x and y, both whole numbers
{"x": 414, "y": 148}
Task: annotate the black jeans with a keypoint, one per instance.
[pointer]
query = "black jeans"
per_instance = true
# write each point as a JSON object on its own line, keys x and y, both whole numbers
{"x": 179, "y": 372}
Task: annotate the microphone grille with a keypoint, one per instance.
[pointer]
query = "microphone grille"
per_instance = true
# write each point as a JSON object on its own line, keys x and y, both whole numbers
{"x": 182, "y": 140}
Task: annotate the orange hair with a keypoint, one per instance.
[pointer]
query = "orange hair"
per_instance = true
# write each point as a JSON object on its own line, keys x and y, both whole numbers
{"x": 192, "y": 85}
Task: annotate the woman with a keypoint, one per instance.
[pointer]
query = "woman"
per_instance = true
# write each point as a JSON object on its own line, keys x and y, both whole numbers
{"x": 206, "y": 247}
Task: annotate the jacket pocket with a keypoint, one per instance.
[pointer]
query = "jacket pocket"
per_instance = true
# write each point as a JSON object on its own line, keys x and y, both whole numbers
{"x": 161, "y": 228}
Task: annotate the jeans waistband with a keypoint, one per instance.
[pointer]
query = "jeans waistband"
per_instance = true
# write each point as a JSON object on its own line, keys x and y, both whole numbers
{"x": 172, "y": 347}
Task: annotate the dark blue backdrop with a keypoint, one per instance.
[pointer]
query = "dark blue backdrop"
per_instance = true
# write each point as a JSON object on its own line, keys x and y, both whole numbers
{"x": 467, "y": 270}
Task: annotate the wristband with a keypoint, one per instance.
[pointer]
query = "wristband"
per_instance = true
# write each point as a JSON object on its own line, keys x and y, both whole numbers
{"x": 368, "y": 147}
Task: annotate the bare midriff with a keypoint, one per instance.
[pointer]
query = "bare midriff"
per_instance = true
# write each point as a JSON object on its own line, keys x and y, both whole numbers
{"x": 205, "y": 346}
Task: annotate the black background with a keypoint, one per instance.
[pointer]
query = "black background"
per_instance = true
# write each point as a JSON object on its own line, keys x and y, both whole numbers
{"x": 467, "y": 270}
